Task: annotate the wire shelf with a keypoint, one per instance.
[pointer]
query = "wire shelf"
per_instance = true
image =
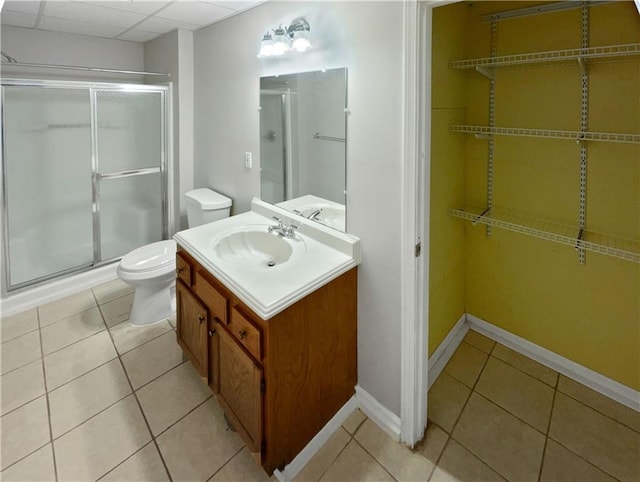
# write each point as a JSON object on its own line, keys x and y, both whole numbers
{"x": 554, "y": 134}
{"x": 626, "y": 249}
{"x": 607, "y": 51}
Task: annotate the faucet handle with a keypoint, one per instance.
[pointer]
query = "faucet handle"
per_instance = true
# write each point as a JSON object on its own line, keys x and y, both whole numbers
{"x": 280, "y": 223}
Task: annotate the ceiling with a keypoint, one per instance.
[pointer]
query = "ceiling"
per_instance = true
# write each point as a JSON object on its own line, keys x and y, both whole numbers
{"x": 134, "y": 20}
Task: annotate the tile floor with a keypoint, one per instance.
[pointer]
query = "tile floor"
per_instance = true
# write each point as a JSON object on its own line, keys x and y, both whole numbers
{"x": 85, "y": 396}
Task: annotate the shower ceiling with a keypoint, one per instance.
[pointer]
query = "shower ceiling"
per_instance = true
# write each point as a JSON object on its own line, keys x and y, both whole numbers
{"x": 134, "y": 20}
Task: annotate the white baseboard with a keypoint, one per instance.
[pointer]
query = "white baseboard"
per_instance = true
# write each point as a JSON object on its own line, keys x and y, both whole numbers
{"x": 594, "y": 380}
{"x": 381, "y": 415}
{"x": 446, "y": 349}
{"x": 39, "y": 295}
{"x": 296, "y": 465}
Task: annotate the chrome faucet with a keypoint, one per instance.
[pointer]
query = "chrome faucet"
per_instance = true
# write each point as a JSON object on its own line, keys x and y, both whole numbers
{"x": 314, "y": 214}
{"x": 282, "y": 229}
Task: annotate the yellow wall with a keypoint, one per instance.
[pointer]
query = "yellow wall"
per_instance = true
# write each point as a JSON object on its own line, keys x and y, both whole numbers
{"x": 446, "y": 247}
{"x": 534, "y": 288}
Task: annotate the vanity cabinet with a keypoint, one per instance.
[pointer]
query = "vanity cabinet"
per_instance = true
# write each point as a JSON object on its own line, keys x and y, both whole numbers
{"x": 280, "y": 380}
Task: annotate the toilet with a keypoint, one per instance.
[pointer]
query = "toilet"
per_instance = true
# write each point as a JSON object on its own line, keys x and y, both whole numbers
{"x": 151, "y": 269}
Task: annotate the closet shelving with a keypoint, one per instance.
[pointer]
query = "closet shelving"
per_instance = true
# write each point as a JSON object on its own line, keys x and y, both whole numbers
{"x": 576, "y": 236}
{"x": 553, "y": 134}
{"x": 567, "y": 55}
{"x": 621, "y": 248}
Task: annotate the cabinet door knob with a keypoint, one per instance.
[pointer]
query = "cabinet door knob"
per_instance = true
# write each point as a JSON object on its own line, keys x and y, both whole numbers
{"x": 201, "y": 319}
{"x": 212, "y": 332}
{"x": 242, "y": 334}
{"x": 180, "y": 270}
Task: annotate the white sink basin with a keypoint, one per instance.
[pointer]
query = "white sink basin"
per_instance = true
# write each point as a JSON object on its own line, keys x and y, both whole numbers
{"x": 255, "y": 246}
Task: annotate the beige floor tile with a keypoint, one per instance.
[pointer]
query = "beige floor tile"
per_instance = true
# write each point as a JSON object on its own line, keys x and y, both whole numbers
{"x": 561, "y": 464}
{"x": 599, "y": 402}
{"x": 21, "y": 386}
{"x": 446, "y": 400}
{"x": 611, "y": 446}
{"x": 20, "y": 324}
{"x": 143, "y": 466}
{"x": 20, "y": 351}
{"x": 460, "y": 465}
{"x": 126, "y": 336}
{"x": 479, "y": 341}
{"x": 524, "y": 396}
{"x": 84, "y": 397}
{"x": 66, "y": 307}
{"x": 36, "y": 467}
{"x": 433, "y": 443}
{"x": 117, "y": 311}
{"x": 172, "y": 321}
{"x": 75, "y": 360}
{"x": 242, "y": 467}
{"x": 526, "y": 364}
{"x": 152, "y": 359}
{"x": 169, "y": 398}
{"x": 353, "y": 422}
{"x": 197, "y": 446}
{"x": 111, "y": 290}
{"x": 399, "y": 460}
{"x": 466, "y": 364}
{"x": 24, "y": 430}
{"x": 98, "y": 445}
{"x": 70, "y": 330}
{"x": 322, "y": 460}
{"x": 509, "y": 446}
{"x": 356, "y": 464}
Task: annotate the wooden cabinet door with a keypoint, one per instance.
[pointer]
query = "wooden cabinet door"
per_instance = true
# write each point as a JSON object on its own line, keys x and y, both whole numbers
{"x": 214, "y": 356}
{"x": 192, "y": 328}
{"x": 241, "y": 390}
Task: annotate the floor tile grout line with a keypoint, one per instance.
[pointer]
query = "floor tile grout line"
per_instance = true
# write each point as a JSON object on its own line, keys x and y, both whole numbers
{"x": 439, "y": 458}
{"x": 82, "y": 375}
{"x": 546, "y": 437}
{"x": 53, "y": 323}
{"x": 351, "y": 437}
{"x": 583, "y": 459}
{"x": 527, "y": 373}
{"x": 2, "y": 469}
{"x": 185, "y": 415}
{"x": 46, "y": 394}
{"x": 18, "y": 336}
{"x": 373, "y": 457}
{"x": 226, "y": 463}
{"x": 146, "y": 341}
{"x": 71, "y": 344}
{"x": 613, "y": 419}
{"x": 125, "y": 460}
{"x": 144, "y": 416}
{"x": 517, "y": 417}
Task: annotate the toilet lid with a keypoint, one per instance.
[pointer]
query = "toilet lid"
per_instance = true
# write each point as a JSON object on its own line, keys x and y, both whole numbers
{"x": 149, "y": 257}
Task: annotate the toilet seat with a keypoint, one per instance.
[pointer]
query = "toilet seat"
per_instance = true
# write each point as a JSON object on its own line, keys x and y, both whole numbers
{"x": 155, "y": 256}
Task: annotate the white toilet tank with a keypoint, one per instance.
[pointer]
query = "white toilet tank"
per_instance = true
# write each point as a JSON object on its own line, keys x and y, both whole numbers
{"x": 205, "y": 206}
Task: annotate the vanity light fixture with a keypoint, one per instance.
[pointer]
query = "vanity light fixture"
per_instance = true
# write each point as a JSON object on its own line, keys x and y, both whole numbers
{"x": 276, "y": 42}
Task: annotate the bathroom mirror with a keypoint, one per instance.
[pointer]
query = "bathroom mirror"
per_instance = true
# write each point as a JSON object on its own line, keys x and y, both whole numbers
{"x": 303, "y": 143}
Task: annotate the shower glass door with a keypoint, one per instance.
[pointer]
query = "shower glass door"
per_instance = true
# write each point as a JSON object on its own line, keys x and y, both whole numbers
{"x": 273, "y": 146}
{"x": 129, "y": 175}
{"x": 84, "y": 175}
{"x": 48, "y": 198}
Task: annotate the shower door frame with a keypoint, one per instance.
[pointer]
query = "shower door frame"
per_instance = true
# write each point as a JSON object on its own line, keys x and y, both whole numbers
{"x": 287, "y": 147}
{"x": 92, "y": 89}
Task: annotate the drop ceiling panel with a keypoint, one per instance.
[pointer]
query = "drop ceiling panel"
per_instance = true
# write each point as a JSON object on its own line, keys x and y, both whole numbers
{"x": 233, "y": 4}
{"x": 162, "y": 25}
{"x": 143, "y": 7}
{"x": 25, "y": 7}
{"x": 19, "y": 19}
{"x": 137, "y": 36}
{"x": 83, "y": 12}
{"x": 84, "y": 28}
{"x": 198, "y": 13}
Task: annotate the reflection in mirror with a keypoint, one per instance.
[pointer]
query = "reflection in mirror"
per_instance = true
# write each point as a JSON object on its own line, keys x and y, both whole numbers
{"x": 303, "y": 144}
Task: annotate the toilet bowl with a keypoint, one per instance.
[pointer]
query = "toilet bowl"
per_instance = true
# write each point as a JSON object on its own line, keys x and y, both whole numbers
{"x": 151, "y": 269}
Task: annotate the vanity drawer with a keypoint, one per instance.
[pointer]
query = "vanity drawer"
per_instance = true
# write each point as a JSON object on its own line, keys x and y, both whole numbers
{"x": 214, "y": 300}
{"x": 246, "y": 333}
{"x": 183, "y": 269}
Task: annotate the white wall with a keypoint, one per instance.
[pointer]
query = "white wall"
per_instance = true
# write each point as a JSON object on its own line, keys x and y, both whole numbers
{"x": 367, "y": 39}
{"x": 173, "y": 53}
{"x": 43, "y": 47}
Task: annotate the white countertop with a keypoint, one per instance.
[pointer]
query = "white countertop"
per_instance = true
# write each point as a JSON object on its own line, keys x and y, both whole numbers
{"x": 320, "y": 254}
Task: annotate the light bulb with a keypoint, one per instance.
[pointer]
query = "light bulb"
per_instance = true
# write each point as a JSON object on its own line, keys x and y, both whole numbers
{"x": 266, "y": 47}
{"x": 301, "y": 41}
{"x": 281, "y": 42}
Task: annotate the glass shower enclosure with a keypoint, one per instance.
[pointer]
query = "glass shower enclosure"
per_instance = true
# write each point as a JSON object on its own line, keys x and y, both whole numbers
{"x": 84, "y": 172}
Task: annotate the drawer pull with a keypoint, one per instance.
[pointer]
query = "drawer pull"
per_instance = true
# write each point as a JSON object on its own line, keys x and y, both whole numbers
{"x": 201, "y": 319}
{"x": 212, "y": 332}
{"x": 243, "y": 334}
{"x": 180, "y": 270}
